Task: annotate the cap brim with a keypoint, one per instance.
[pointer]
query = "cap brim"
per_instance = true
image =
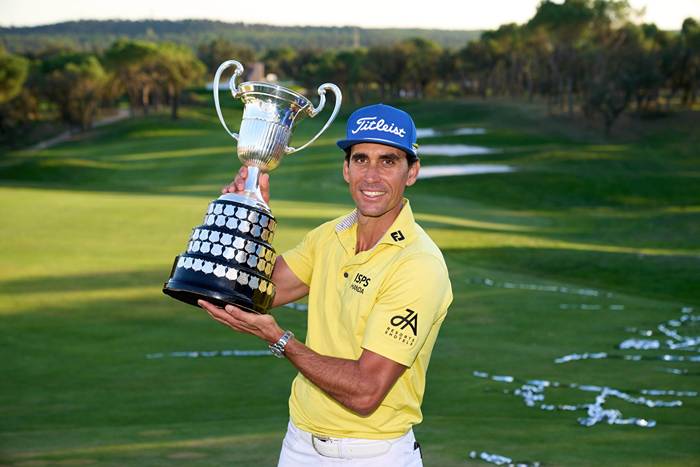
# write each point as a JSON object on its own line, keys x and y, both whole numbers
{"x": 346, "y": 143}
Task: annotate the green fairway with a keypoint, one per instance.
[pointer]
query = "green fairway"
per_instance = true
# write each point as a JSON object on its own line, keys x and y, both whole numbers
{"x": 586, "y": 240}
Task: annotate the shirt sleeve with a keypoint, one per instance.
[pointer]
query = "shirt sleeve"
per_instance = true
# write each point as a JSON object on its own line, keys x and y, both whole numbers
{"x": 300, "y": 259}
{"x": 409, "y": 309}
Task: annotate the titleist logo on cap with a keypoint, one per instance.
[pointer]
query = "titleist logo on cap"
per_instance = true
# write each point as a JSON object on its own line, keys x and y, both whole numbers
{"x": 371, "y": 123}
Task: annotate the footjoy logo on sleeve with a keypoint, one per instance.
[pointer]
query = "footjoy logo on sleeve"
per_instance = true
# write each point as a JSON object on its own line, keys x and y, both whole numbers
{"x": 372, "y": 124}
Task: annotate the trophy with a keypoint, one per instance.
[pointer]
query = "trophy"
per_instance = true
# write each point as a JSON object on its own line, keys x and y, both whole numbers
{"x": 229, "y": 258}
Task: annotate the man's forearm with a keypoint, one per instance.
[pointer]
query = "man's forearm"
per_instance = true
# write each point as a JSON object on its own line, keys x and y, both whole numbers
{"x": 360, "y": 385}
{"x": 344, "y": 380}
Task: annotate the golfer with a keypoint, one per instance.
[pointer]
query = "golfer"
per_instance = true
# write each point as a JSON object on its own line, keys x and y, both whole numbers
{"x": 378, "y": 291}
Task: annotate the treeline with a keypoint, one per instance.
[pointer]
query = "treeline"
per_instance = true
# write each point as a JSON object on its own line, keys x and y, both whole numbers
{"x": 89, "y": 36}
{"x": 75, "y": 85}
{"x": 580, "y": 56}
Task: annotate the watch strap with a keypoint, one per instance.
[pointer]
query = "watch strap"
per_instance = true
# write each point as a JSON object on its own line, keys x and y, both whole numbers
{"x": 277, "y": 348}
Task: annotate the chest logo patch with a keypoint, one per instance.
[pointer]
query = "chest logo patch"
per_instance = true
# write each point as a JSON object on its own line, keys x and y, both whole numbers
{"x": 397, "y": 236}
{"x": 359, "y": 283}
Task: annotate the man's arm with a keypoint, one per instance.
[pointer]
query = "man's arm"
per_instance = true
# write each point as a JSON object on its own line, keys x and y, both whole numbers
{"x": 288, "y": 287}
{"x": 360, "y": 385}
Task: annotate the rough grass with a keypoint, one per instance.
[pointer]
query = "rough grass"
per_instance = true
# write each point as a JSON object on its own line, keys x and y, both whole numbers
{"x": 91, "y": 227}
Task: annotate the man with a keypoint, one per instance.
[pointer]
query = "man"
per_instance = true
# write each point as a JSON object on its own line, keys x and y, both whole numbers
{"x": 378, "y": 292}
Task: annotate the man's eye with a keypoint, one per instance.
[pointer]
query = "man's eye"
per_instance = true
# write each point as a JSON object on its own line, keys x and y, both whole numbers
{"x": 389, "y": 162}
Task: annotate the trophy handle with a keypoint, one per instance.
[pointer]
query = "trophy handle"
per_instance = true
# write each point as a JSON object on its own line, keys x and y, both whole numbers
{"x": 232, "y": 86}
{"x": 315, "y": 111}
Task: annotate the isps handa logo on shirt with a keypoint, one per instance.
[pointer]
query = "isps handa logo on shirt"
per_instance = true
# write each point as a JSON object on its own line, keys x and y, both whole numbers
{"x": 359, "y": 283}
{"x": 403, "y": 327}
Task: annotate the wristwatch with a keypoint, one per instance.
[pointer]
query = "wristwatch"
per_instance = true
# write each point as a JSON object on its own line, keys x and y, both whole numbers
{"x": 277, "y": 348}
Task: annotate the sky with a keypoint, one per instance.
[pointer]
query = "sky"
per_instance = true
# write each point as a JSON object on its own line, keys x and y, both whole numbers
{"x": 433, "y": 14}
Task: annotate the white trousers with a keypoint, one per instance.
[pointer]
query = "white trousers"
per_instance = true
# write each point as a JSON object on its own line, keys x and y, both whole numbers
{"x": 299, "y": 449}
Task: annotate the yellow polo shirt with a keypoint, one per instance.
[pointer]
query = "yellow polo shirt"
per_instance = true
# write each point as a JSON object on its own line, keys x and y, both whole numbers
{"x": 390, "y": 300}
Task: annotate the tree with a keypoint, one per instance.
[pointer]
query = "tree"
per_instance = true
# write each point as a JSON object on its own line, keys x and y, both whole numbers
{"x": 571, "y": 25}
{"x": 13, "y": 74}
{"x": 314, "y": 68}
{"x": 650, "y": 63}
{"x": 507, "y": 48}
{"x": 17, "y": 104}
{"x": 280, "y": 61}
{"x": 446, "y": 72}
{"x": 217, "y": 51}
{"x": 75, "y": 83}
{"x": 422, "y": 58}
{"x": 387, "y": 65}
{"x": 130, "y": 63}
{"x": 565, "y": 24}
{"x": 350, "y": 72}
{"x": 174, "y": 67}
{"x": 475, "y": 63}
{"x": 613, "y": 73}
{"x": 688, "y": 64}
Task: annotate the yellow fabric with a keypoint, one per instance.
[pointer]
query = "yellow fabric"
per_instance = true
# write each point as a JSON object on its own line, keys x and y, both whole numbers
{"x": 372, "y": 301}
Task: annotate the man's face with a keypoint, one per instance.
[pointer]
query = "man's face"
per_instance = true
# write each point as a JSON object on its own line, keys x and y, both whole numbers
{"x": 377, "y": 175}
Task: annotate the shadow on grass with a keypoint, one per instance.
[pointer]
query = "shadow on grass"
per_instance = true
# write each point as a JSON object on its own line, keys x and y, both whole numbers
{"x": 83, "y": 365}
{"x": 167, "y": 445}
{"x": 77, "y": 282}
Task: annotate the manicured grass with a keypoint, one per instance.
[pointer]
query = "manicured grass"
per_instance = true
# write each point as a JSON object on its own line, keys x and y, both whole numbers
{"x": 92, "y": 226}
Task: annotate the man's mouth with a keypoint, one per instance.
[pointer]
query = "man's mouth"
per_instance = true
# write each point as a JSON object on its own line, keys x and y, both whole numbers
{"x": 373, "y": 194}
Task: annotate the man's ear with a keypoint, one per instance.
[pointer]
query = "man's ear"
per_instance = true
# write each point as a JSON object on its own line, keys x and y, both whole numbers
{"x": 413, "y": 171}
{"x": 346, "y": 168}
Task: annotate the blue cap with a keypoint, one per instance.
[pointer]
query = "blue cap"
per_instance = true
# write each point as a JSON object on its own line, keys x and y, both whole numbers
{"x": 381, "y": 124}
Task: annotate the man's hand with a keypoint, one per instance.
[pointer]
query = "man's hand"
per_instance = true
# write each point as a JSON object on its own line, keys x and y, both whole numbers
{"x": 263, "y": 326}
{"x": 238, "y": 184}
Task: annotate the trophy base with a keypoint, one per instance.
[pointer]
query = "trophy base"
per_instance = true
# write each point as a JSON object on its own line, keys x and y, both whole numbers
{"x": 189, "y": 294}
{"x": 229, "y": 259}
{"x": 189, "y": 286}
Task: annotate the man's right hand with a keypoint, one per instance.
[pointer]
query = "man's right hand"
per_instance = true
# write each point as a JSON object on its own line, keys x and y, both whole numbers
{"x": 238, "y": 184}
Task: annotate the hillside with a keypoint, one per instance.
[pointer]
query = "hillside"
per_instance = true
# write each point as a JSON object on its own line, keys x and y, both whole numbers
{"x": 90, "y": 35}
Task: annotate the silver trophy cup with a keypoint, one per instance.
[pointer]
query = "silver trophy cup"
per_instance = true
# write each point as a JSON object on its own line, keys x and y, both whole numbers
{"x": 229, "y": 258}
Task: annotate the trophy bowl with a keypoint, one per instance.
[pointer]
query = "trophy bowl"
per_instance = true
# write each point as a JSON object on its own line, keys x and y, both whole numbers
{"x": 229, "y": 257}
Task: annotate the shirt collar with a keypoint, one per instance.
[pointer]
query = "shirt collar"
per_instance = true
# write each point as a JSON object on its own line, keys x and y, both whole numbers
{"x": 401, "y": 232}
{"x": 403, "y": 229}
{"x": 347, "y": 221}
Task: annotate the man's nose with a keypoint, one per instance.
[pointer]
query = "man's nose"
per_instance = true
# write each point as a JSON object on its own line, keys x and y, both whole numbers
{"x": 372, "y": 172}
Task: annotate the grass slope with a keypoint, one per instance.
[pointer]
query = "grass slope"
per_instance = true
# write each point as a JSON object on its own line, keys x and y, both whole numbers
{"x": 91, "y": 227}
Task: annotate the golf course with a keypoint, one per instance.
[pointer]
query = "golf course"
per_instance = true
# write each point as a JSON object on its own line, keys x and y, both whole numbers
{"x": 566, "y": 267}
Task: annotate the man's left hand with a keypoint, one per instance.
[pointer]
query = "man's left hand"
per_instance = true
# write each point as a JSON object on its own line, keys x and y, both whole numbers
{"x": 263, "y": 326}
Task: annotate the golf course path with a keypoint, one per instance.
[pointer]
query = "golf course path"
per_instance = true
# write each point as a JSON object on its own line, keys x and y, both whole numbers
{"x": 67, "y": 135}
